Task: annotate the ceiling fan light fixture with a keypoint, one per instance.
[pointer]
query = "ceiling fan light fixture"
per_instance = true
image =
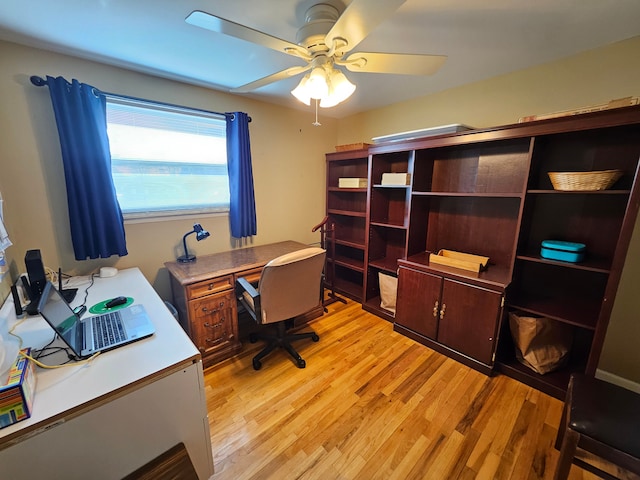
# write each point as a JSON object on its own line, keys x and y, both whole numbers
{"x": 313, "y": 85}
{"x": 340, "y": 88}
{"x": 318, "y": 84}
{"x": 301, "y": 92}
{"x": 328, "y": 85}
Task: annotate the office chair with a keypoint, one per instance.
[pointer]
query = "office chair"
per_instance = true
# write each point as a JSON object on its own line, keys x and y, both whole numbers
{"x": 289, "y": 285}
{"x": 602, "y": 419}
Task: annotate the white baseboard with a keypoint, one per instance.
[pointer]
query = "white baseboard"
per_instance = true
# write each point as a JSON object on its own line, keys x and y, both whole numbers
{"x": 616, "y": 380}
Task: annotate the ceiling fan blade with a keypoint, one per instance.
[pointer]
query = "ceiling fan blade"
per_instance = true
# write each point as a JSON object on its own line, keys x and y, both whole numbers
{"x": 207, "y": 21}
{"x": 358, "y": 19}
{"x": 399, "y": 63}
{"x": 289, "y": 72}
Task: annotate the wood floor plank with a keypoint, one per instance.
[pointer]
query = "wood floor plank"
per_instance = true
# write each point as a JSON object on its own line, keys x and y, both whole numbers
{"x": 373, "y": 404}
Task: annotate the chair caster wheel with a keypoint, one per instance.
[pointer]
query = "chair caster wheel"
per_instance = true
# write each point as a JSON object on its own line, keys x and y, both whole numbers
{"x": 257, "y": 365}
{"x": 253, "y": 338}
{"x": 315, "y": 338}
{"x": 301, "y": 363}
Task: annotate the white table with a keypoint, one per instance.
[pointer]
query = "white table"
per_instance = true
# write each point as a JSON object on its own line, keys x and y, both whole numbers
{"x": 105, "y": 419}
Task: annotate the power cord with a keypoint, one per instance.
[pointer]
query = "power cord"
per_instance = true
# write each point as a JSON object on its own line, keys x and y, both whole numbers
{"x": 38, "y": 355}
{"x": 42, "y": 365}
{"x": 86, "y": 291}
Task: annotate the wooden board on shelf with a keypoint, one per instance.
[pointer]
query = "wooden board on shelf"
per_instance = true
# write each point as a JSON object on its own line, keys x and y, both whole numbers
{"x": 352, "y": 146}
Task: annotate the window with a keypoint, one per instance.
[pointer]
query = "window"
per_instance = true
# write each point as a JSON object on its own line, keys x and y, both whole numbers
{"x": 167, "y": 160}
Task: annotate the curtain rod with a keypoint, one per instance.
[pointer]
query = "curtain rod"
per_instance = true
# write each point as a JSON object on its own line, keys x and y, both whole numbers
{"x": 41, "y": 82}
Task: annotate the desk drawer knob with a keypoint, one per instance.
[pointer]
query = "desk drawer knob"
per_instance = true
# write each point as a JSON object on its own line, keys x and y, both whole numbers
{"x": 210, "y": 312}
{"x": 215, "y": 325}
{"x": 215, "y": 340}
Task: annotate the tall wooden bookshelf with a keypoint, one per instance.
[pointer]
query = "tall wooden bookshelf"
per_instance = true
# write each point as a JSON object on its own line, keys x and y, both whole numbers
{"x": 488, "y": 192}
{"x": 347, "y": 211}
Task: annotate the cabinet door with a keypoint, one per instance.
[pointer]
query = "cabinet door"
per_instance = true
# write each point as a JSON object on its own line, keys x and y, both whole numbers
{"x": 468, "y": 319}
{"x": 213, "y": 323}
{"x": 418, "y": 300}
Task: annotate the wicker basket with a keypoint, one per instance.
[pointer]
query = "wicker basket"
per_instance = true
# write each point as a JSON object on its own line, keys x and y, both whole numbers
{"x": 595, "y": 180}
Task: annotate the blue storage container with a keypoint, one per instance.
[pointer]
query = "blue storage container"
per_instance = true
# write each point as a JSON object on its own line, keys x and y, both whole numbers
{"x": 563, "y": 251}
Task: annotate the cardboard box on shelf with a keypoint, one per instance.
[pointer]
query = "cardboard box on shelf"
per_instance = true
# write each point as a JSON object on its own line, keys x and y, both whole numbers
{"x": 352, "y": 182}
{"x": 617, "y": 103}
{"x": 352, "y": 146}
{"x": 396, "y": 179}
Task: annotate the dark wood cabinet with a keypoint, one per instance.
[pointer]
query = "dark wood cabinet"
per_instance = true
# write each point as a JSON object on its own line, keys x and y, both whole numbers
{"x": 469, "y": 317}
{"x": 488, "y": 193}
{"x": 448, "y": 315}
{"x": 418, "y": 302}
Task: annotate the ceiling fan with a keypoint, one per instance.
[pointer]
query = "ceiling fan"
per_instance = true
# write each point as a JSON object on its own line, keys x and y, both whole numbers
{"x": 327, "y": 40}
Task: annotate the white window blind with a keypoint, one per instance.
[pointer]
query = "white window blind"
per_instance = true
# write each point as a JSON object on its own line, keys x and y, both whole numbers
{"x": 167, "y": 160}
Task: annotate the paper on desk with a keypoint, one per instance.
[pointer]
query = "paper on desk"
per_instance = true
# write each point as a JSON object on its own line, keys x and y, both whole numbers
{"x": 4, "y": 243}
{"x": 4, "y": 236}
{"x": 9, "y": 345}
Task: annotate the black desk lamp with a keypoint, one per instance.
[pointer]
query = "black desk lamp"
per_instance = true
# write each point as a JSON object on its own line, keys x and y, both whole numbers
{"x": 201, "y": 234}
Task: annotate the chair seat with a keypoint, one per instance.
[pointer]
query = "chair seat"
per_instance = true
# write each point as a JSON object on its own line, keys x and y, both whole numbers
{"x": 606, "y": 412}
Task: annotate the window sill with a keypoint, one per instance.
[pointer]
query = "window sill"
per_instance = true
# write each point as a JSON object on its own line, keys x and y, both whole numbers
{"x": 170, "y": 216}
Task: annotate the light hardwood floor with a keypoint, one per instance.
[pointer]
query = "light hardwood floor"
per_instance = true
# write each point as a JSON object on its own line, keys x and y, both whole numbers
{"x": 373, "y": 404}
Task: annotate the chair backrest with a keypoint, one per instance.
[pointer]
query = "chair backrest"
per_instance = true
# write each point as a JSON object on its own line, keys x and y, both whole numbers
{"x": 290, "y": 284}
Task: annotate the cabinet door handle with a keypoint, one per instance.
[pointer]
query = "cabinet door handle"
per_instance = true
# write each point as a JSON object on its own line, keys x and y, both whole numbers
{"x": 442, "y": 311}
{"x": 435, "y": 310}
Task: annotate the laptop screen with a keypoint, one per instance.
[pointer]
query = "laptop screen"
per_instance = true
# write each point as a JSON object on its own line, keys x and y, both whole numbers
{"x": 60, "y": 316}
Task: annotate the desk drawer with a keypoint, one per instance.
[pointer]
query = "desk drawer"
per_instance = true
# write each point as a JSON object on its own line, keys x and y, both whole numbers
{"x": 208, "y": 287}
{"x": 252, "y": 275}
{"x": 213, "y": 321}
{"x": 202, "y": 309}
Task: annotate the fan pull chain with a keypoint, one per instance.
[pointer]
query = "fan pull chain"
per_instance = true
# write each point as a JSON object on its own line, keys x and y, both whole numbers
{"x": 316, "y": 123}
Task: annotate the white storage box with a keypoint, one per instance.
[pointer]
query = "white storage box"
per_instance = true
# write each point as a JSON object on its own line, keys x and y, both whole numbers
{"x": 396, "y": 179}
{"x": 347, "y": 182}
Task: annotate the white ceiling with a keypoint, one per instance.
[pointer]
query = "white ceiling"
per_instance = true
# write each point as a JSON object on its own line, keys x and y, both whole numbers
{"x": 482, "y": 39}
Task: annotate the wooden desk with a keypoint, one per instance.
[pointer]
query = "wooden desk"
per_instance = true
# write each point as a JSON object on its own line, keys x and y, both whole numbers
{"x": 105, "y": 419}
{"x": 204, "y": 295}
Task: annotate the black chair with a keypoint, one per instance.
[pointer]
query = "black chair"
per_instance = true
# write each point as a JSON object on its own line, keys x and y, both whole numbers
{"x": 289, "y": 286}
{"x": 602, "y": 419}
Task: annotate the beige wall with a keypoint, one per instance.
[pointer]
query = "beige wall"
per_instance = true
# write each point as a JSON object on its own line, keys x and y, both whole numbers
{"x": 288, "y": 158}
{"x": 287, "y": 151}
{"x": 590, "y": 78}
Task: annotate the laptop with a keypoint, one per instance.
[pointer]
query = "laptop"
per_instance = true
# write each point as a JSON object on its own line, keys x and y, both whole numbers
{"x": 97, "y": 333}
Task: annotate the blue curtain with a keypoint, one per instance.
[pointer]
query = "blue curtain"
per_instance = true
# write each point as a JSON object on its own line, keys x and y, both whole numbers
{"x": 242, "y": 208}
{"x": 97, "y": 227}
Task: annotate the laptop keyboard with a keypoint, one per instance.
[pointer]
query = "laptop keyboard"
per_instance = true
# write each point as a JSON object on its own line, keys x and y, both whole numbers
{"x": 107, "y": 329}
